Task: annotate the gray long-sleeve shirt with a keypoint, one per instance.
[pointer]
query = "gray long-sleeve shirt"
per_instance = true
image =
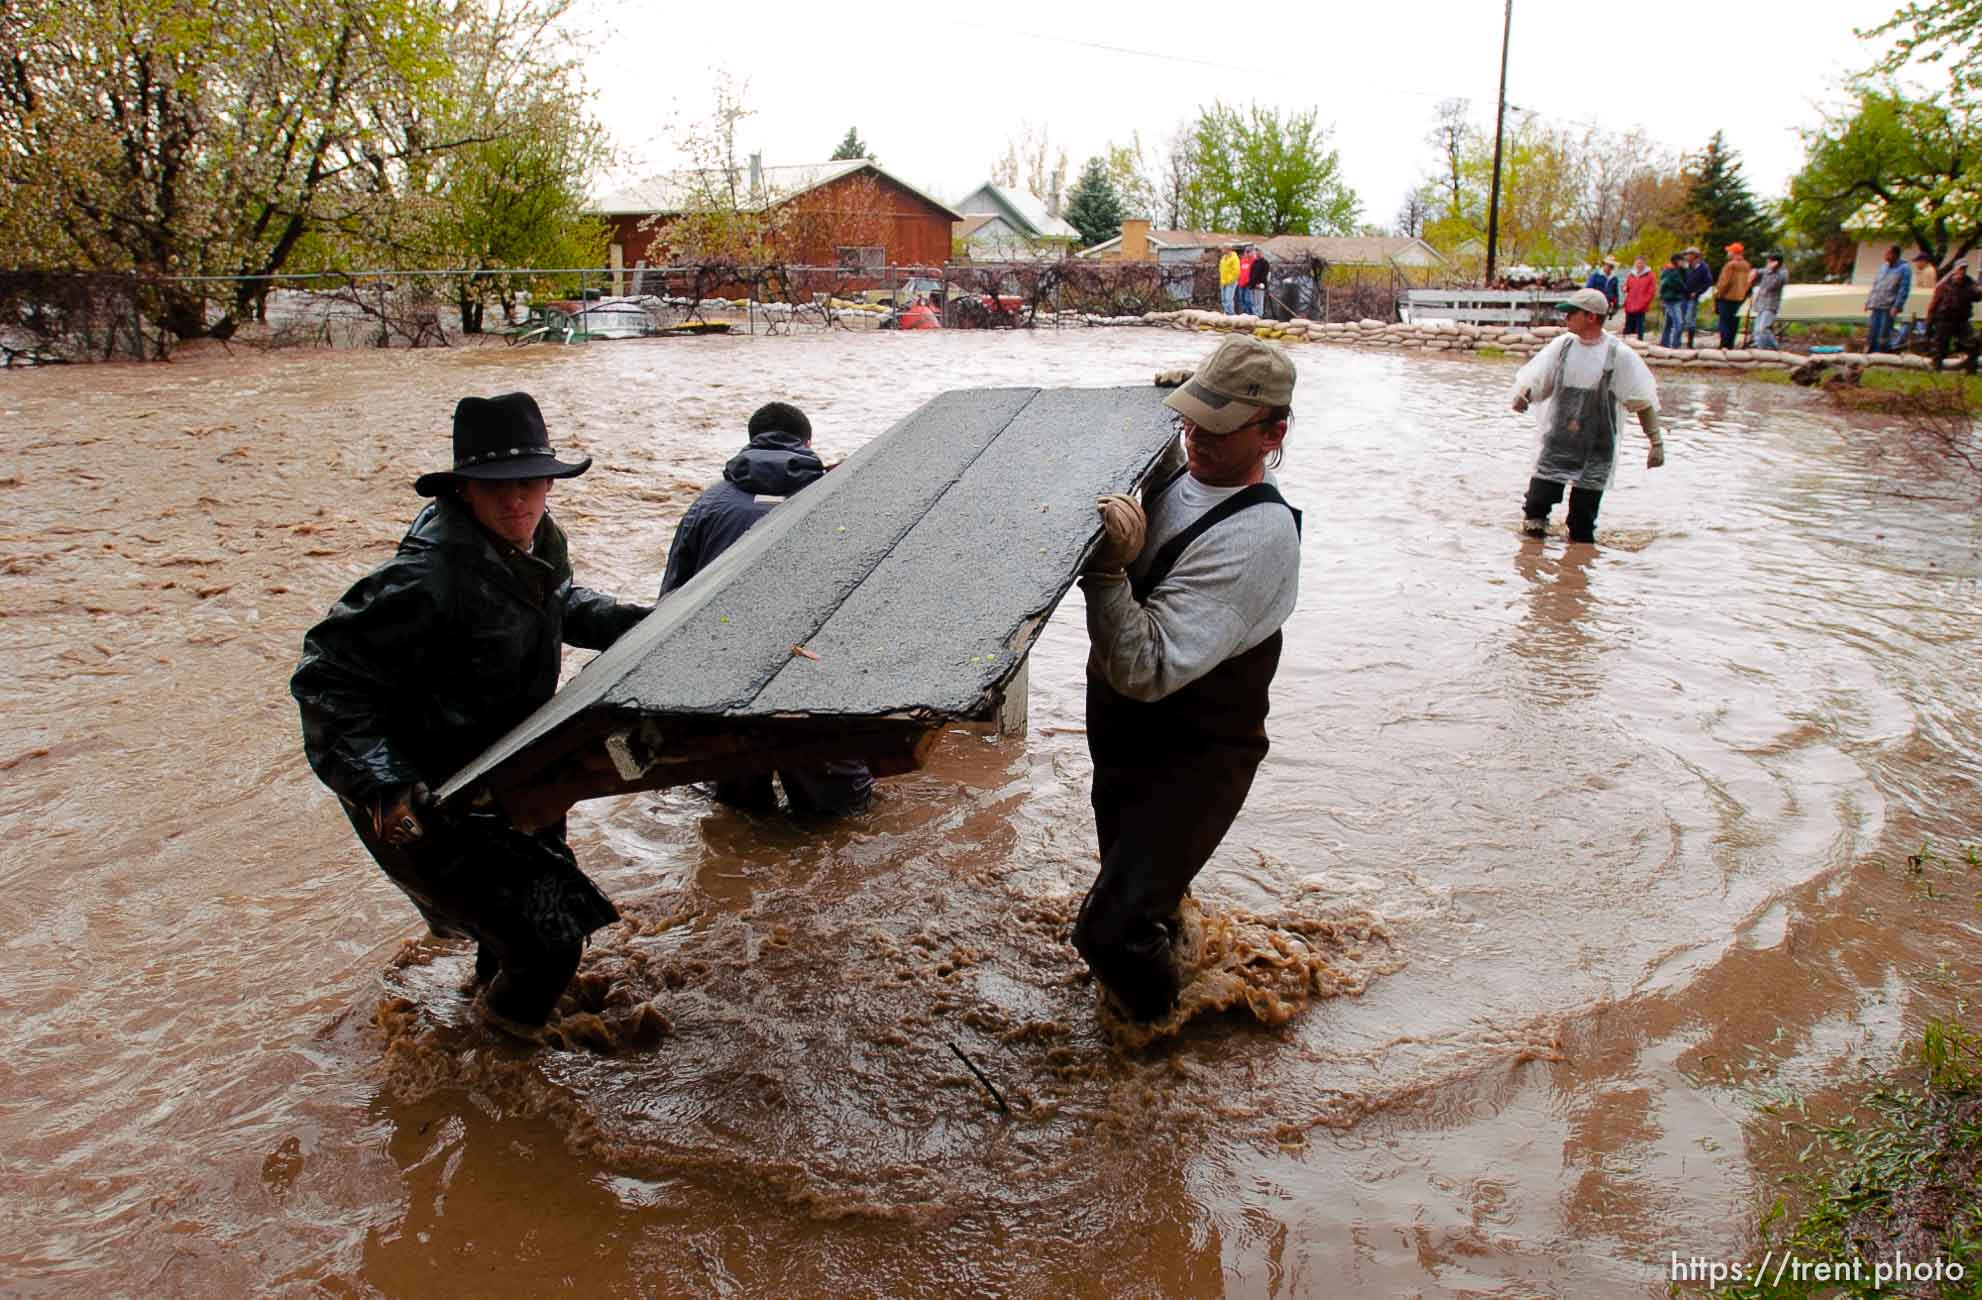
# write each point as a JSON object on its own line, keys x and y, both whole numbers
{"x": 1231, "y": 589}
{"x": 1768, "y": 289}
{"x": 1890, "y": 289}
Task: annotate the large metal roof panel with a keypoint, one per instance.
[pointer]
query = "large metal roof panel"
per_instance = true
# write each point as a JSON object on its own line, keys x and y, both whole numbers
{"x": 907, "y": 584}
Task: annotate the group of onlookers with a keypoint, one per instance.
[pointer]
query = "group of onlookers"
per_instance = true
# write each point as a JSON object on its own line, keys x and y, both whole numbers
{"x": 1687, "y": 278}
{"x": 1242, "y": 272}
{"x": 1679, "y": 287}
{"x": 1950, "y": 312}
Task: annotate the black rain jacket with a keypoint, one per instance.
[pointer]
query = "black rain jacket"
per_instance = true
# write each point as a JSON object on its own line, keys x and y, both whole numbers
{"x": 435, "y": 654}
{"x": 773, "y": 465}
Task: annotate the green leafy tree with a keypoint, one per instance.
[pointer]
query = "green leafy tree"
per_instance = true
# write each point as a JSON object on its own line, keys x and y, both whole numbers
{"x": 1257, "y": 173}
{"x": 514, "y": 195}
{"x": 200, "y": 136}
{"x": 1131, "y": 179}
{"x": 1539, "y": 195}
{"x": 1093, "y": 206}
{"x": 1943, "y": 30}
{"x": 1717, "y": 194}
{"x": 851, "y": 147}
{"x": 1898, "y": 166}
{"x": 517, "y": 201}
{"x": 1565, "y": 199}
{"x": 232, "y": 138}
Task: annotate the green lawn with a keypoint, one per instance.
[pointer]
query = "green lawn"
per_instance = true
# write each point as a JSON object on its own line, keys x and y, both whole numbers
{"x": 1915, "y": 381}
{"x": 1891, "y": 380}
{"x": 1899, "y": 1171}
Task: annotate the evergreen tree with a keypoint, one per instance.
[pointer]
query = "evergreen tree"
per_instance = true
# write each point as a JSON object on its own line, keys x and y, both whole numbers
{"x": 1718, "y": 195}
{"x": 852, "y": 146}
{"x": 1094, "y": 206}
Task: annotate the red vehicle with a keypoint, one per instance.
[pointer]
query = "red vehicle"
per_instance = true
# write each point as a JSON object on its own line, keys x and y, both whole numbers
{"x": 919, "y": 317}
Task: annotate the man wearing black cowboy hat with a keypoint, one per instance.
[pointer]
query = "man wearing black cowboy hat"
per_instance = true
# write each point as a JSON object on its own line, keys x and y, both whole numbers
{"x": 433, "y": 656}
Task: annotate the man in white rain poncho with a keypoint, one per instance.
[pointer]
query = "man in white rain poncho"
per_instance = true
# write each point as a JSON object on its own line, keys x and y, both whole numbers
{"x": 1582, "y": 383}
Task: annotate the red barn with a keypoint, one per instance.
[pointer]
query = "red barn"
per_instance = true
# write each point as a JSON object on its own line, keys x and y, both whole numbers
{"x": 849, "y": 213}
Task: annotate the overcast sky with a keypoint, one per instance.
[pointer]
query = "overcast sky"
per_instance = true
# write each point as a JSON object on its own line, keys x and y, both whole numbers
{"x": 937, "y": 89}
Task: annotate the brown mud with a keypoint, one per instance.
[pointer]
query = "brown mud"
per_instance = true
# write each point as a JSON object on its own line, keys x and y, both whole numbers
{"x": 1561, "y": 858}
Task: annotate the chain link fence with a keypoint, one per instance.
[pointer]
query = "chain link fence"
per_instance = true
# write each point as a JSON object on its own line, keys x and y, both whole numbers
{"x": 54, "y": 316}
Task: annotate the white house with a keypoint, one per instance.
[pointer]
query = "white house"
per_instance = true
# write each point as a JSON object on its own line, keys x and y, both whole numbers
{"x": 1004, "y": 224}
{"x": 1873, "y": 229}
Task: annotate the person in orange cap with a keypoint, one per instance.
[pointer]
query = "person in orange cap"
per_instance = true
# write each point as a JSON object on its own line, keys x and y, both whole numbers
{"x": 1730, "y": 291}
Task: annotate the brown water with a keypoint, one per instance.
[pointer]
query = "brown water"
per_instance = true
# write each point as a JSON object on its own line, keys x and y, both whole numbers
{"x": 1561, "y": 859}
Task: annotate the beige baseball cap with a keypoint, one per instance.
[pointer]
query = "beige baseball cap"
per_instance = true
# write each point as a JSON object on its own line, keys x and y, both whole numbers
{"x": 1242, "y": 376}
{"x": 1589, "y": 300}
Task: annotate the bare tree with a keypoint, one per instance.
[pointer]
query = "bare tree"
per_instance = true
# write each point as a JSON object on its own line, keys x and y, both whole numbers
{"x": 1032, "y": 162}
{"x": 1179, "y": 171}
{"x": 1412, "y": 216}
{"x": 1628, "y": 185}
{"x": 1449, "y": 137}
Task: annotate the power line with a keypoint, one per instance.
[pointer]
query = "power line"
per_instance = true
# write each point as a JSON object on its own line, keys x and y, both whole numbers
{"x": 1111, "y": 49}
{"x": 1048, "y": 38}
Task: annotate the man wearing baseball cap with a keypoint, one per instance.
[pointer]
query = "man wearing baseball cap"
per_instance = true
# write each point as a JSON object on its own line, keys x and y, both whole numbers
{"x": 1184, "y": 607}
{"x": 1699, "y": 283}
{"x": 1768, "y": 286}
{"x": 1584, "y": 382}
{"x": 1604, "y": 280}
{"x": 432, "y": 657}
{"x": 1730, "y": 291}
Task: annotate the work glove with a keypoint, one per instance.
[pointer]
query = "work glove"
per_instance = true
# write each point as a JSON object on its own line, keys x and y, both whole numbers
{"x": 1648, "y": 419}
{"x": 398, "y": 816}
{"x": 1172, "y": 378}
{"x": 1122, "y": 527}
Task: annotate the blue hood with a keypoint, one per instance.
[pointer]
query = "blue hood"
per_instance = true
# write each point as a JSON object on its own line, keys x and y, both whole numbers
{"x": 774, "y": 464}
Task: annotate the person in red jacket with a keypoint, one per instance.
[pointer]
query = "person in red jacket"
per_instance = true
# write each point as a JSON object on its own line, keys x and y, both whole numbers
{"x": 1247, "y": 256}
{"x": 1640, "y": 287}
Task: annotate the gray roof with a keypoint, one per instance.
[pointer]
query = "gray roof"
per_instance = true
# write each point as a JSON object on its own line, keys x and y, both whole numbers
{"x": 1026, "y": 210}
{"x": 918, "y": 572}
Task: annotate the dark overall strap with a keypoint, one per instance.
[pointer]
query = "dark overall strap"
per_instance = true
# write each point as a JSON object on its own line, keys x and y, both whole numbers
{"x": 1166, "y": 559}
{"x": 1169, "y": 482}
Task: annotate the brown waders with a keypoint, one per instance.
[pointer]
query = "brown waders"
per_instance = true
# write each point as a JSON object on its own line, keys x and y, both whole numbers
{"x": 1169, "y": 779}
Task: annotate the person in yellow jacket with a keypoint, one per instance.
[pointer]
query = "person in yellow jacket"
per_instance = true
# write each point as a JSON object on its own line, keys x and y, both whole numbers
{"x": 1228, "y": 280}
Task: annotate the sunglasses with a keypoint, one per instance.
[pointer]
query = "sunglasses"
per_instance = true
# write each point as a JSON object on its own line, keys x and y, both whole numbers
{"x": 1184, "y": 425}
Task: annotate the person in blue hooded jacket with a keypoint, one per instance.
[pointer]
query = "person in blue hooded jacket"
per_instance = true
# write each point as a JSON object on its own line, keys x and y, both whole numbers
{"x": 777, "y": 462}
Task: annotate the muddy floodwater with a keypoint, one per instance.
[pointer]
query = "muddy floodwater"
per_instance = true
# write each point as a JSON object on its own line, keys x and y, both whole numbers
{"x": 1582, "y": 851}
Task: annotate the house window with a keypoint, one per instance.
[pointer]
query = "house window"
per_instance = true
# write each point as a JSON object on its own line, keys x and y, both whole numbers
{"x": 861, "y": 257}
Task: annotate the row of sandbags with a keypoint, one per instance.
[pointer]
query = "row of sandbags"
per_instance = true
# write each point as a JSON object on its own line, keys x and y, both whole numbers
{"x": 1514, "y": 341}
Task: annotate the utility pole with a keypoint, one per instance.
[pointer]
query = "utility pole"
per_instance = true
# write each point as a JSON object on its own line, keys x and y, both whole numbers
{"x": 1499, "y": 130}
